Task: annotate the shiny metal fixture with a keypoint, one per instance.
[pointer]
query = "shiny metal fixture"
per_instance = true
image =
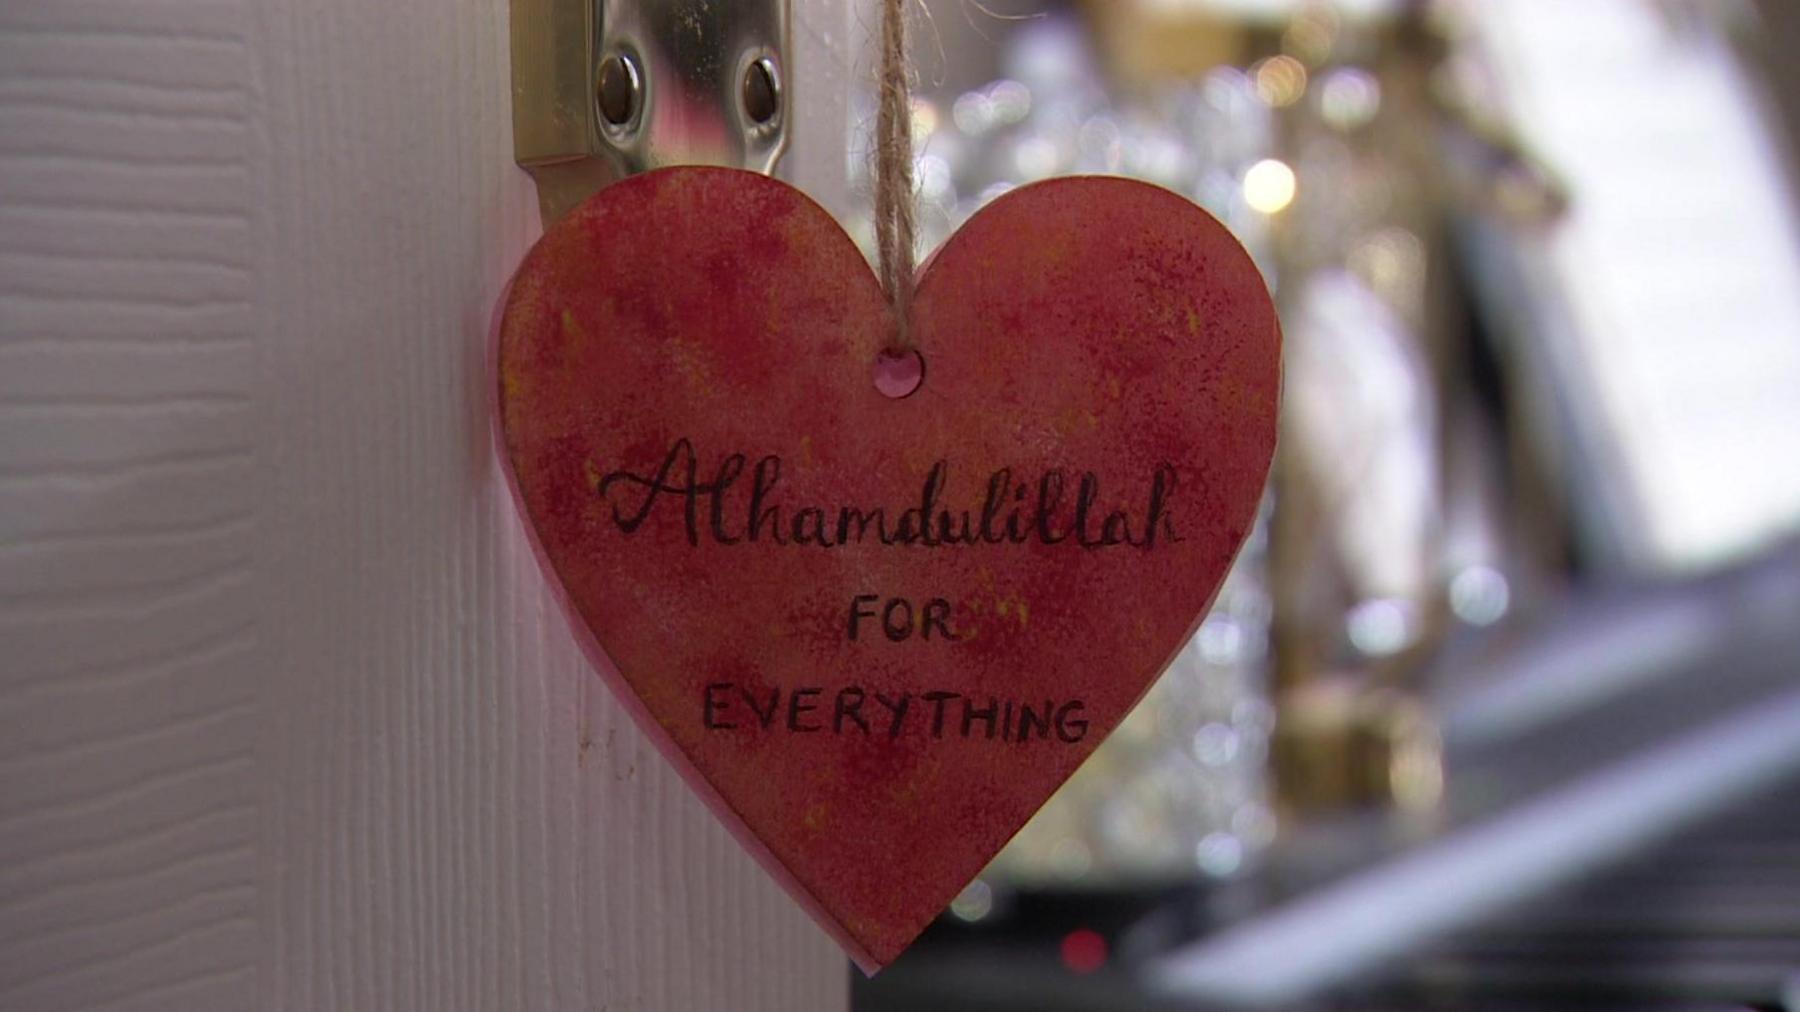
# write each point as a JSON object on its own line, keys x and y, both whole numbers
{"x": 606, "y": 88}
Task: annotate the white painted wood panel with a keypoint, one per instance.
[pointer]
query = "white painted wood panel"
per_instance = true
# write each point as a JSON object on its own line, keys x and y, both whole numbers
{"x": 287, "y": 719}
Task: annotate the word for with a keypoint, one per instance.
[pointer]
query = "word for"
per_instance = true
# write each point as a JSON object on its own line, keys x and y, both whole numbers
{"x": 852, "y": 710}
{"x": 897, "y": 617}
{"x": 728, "y": 511}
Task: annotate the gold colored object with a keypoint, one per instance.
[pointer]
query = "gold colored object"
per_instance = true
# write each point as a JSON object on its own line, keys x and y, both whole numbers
{"x": 1146, "y": 42}
{"x": 607, "y": 88}
{"x": 1340, "y": 745}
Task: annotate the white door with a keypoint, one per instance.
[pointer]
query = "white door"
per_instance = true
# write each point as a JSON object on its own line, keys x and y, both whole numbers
{"x": 287, "y": 718}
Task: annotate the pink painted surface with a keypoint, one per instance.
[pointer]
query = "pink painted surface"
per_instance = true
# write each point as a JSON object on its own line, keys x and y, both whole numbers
{"x": 1083, "y": 326}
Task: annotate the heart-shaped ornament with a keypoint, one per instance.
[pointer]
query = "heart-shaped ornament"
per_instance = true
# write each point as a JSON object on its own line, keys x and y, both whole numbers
{"x": 877, "y": 632}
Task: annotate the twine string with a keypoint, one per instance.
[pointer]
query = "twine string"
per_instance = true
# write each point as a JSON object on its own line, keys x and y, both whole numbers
{"x": 894, "y": 210}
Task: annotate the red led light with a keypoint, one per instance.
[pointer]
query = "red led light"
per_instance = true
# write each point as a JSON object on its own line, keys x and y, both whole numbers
{"x": 1083, "y": 950}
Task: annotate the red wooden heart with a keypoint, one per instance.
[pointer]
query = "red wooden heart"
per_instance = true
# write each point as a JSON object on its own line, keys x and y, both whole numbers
{"x": 733, "y": 510}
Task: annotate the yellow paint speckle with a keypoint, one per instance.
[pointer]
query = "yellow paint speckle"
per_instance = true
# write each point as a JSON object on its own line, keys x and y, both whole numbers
{"x": 571, "y": 327}
{"x": 1008, "y": 607}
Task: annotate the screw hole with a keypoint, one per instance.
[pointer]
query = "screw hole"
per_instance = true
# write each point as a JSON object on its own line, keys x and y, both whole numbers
{"x": 762, "y": 92}
{"x": 619, "y": 89}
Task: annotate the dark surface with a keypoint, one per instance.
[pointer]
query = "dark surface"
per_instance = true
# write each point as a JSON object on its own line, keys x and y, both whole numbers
{"x": 1708, "y": 920}
{"x": 1705, "y": 916}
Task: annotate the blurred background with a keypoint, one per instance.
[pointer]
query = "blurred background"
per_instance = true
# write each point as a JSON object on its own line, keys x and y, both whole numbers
{"x": 1499, "y": 708}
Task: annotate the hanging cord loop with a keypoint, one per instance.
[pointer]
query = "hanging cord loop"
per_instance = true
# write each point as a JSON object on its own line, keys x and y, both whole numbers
{"x": 894, "y": 210}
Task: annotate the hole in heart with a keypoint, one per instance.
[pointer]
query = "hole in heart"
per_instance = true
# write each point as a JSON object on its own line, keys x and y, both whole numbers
{"x": 898, "y": 372}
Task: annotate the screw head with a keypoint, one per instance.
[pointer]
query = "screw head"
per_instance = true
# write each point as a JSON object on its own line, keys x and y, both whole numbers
{"x": 619, "y": 90}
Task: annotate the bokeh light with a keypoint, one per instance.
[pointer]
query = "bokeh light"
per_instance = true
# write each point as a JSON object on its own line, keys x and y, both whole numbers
{"x": 1269, "y": 186}
{"x": 1280, "y": 80}
{"x": 1083, "y": 950}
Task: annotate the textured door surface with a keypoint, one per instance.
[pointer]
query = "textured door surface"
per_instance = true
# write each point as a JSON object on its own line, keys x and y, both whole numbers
{"x": 287, "y": 718}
